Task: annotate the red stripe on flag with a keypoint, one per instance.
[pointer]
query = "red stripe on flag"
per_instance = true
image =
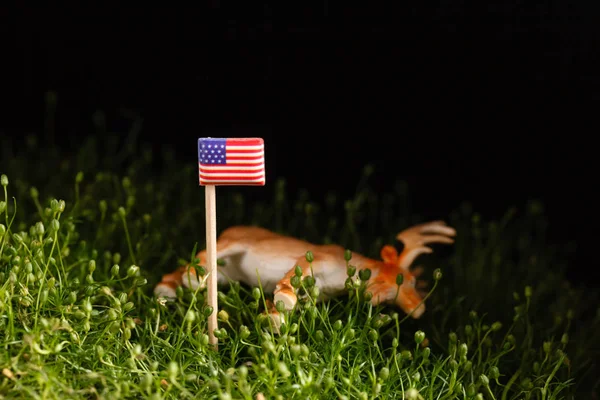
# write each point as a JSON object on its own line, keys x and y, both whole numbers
{"x": 231, "y": 178}
{"x": 236, "y": 165}
{"x": 232, "y": 183}
{"x": 209, "y": 172}
{"x": 244, "y": 142}
{"x": 249, "y": 150}
{"x": 257, "y": 159}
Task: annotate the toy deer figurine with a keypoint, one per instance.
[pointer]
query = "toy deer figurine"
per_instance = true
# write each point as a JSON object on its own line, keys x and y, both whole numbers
{"x": 249, "y": 252}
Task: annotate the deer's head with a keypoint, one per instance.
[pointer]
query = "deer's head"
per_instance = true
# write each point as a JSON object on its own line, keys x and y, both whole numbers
{"x": 408, "y": 295}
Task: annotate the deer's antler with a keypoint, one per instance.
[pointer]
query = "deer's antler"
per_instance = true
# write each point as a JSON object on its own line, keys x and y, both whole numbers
{"x": 416, "y": 238}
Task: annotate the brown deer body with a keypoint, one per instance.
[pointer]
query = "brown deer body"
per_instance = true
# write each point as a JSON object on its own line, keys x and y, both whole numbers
{"x": 251, "y": 252}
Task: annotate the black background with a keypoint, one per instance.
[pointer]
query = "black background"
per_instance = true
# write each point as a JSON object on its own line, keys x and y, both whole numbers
{"x": 494, "y": 103}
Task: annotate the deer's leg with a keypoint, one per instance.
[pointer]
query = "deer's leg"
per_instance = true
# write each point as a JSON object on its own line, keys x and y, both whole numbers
{"x": 187, "y": 275}
{"x": 170, "y": 282}
{"x": 328, "y": 269}
{"x": 330, "y": 277}
{"x": 284, "y": 291}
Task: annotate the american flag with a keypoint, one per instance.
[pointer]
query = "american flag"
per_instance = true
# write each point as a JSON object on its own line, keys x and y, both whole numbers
{"x": 231, "y": 161}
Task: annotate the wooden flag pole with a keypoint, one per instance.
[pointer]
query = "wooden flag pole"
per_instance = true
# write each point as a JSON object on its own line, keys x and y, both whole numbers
{"x": 211, "y": 260}
{"x": 231, "y": 162}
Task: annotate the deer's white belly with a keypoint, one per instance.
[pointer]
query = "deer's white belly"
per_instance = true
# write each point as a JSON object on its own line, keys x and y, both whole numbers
{"x": 331, "y": 280}
{"x": 250, "y": 267}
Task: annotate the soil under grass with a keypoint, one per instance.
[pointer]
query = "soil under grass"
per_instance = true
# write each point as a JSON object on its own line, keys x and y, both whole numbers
{"x": 79, "y": 319}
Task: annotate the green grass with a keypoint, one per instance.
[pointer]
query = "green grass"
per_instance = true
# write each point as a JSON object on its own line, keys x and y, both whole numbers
{"x": 79, "y": 319}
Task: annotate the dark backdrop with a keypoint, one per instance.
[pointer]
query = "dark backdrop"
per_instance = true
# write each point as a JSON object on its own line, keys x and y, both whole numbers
{"x": 495, "y": 103}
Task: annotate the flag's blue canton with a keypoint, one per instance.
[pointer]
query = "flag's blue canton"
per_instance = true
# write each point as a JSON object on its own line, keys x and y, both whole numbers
{"x": 212, "y": 150}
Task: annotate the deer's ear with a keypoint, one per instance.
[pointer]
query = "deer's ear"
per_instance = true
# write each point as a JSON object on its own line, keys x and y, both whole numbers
{"x": 389, "y": 254}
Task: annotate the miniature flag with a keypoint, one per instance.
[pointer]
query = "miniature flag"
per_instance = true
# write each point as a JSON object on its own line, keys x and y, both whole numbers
{"x": 224, "y": 161}
{"x": 231, "y": 161}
